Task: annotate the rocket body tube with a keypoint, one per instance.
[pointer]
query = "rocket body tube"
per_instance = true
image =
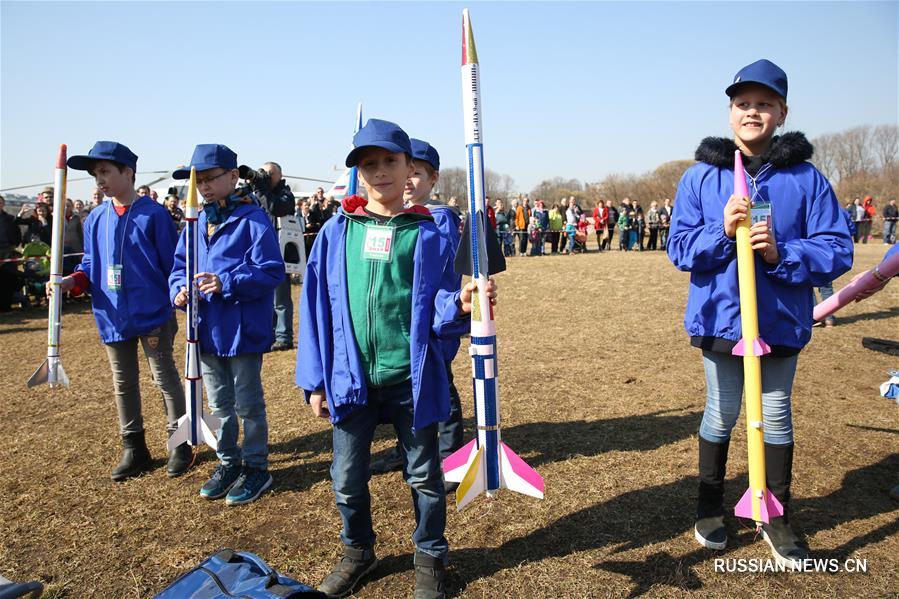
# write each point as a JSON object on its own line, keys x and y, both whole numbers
{"x": 51, "y": 371}
{"x": 757, "y": 503}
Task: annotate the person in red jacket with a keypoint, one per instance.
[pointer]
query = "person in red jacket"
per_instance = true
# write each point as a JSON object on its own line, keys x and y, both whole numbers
{"x": 600, "y": 219}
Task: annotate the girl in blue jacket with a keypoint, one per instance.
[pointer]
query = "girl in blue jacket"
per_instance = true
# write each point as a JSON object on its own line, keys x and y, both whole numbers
{"x": 240, "y": 265}
{"x": 129, "y": 241}
{"x": 806, "y": 245}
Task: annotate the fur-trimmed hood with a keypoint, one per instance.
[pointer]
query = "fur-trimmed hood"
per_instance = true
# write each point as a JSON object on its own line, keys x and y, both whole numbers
{"x": 786, "y": 150}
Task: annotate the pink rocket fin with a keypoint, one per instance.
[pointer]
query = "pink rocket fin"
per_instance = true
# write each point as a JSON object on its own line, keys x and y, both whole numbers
{"x": 761, "y": 348}
{"x": 770, "y": 507}
{"x": 455, "y": 466}
{"x": 518, "y": 476}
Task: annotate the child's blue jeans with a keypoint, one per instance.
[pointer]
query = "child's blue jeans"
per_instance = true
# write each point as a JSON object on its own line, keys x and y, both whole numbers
{"x": 234, "y": 388}
{"x": 350, "y": 472}
{"x": 724, "y": 383}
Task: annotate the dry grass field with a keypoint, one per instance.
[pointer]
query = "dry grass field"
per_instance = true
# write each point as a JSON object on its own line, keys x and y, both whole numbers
{"x": 601, "y": 392}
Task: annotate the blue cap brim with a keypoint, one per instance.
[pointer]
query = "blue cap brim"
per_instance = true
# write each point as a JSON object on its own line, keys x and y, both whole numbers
{"x": 184, "y": 173}
{"x": 732, "y": 88}
{"x": 352, "y": 158}
{"x": 81, "y": 163}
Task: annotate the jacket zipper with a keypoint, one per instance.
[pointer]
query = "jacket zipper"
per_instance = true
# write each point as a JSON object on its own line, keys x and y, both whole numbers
{"x": 372, "y": 341}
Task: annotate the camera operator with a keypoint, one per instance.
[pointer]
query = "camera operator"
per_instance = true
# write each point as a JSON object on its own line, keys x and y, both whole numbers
{"x": 276, "y": 199}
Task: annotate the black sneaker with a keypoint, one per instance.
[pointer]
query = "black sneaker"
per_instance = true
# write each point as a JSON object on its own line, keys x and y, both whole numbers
{"x": 251, "y": 483}
{"x": 281, "y": 346}
{"x": 349, "y": 570}
{"x": 785, "y": 546}
{"x": 392, "y": 461}
{"x": 430, "y": 577}
{"x": 710, "y": 532}
{"x": 223, "y": 478}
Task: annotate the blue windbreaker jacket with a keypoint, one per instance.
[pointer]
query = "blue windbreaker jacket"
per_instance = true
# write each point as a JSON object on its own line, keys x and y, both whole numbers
{"x": 142, "y": 241}
{"x": 328, "y": 357}
{"x": 811, "y": 233}
{"x": 245, "y": 254}
{"x": 448, "y": 221}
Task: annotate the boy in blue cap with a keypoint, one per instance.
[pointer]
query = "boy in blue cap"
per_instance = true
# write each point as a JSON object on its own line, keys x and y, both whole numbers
{"x": 417, "y": 192}
{"x": 240, "y": 263}
{"x": 806, "y": 244}
{"x": 128, "y": 247}
{"x": 379, "y": 295}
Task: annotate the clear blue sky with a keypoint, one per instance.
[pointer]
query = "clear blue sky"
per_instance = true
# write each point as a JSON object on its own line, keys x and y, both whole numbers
{"x": 569, "y": 89}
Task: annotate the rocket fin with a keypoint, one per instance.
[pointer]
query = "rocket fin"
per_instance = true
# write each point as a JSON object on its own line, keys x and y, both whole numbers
{"x": 769, "y": 507}
{"x": 210, "y": 424}
{"x": 739, "y": 348}
{"x": 181, "y": 434}
{"x": 456, "y": 465}
{"x": 61, "y": 376}
{"x": 496, "y": 262}
{"x": 518, "y": 476}
{"x": 761, "y": 348}
{"x": 473, "y": 483}
{"x": 40, "y": 375}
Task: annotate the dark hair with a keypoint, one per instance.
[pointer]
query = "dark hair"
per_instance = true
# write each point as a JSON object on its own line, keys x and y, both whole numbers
{"x": 118, "y": 165}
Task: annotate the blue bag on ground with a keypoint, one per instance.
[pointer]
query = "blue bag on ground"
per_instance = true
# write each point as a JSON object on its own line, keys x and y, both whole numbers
{"x": 230, "y": 573}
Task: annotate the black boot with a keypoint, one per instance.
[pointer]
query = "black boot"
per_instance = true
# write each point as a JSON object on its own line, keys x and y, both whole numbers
{"x": 135, "y": 457}
{"x": 355, "y": 563}
{"x": 180, "y": 460}
{"x": 430, "y": 577}
{"x": 785, "y": 545}
{"x": 709, "y": 528}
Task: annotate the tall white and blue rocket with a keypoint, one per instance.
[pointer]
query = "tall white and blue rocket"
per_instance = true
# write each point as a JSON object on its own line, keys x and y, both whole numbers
{"x": 485, "y": 464}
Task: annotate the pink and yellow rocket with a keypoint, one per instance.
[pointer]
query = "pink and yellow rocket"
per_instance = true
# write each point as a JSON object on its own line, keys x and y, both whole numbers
{"x": 485, "y": 464}
{"x": 196, "y": 426}
{"x": 758, "y": 502}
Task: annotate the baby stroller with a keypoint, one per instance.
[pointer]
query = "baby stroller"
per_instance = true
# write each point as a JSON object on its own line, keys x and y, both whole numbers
{"x": 580, "y": 242}
{"x": 36, "y": 271}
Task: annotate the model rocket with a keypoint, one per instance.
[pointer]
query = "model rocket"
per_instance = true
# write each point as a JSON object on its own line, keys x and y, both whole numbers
{"x": 874, "y": 278}
{"x": 51, "y": 371}
{"x": 757, "y": 503}
{"x": 353, "y": 183}
{"x": 485, "y": 464}
{"x": 196, "y": 426}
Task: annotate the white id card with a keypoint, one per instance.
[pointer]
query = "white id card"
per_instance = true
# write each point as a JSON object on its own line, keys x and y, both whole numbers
{"x": 114, "y": 277}
{"x": 761, "y": 212}
{"x": 378, "y": 244}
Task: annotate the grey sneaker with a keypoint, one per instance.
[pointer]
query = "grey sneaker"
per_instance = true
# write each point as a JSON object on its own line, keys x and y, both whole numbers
{"x": 430, "y": 577}
{"x": 353, "y": 565}
{"x": 221, "y": 481}
{"x": 251, "y": 483}
{"x": 390, "y": 462}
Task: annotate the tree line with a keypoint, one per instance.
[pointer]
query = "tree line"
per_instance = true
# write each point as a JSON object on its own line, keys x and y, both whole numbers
{"x": 858, "y": 162}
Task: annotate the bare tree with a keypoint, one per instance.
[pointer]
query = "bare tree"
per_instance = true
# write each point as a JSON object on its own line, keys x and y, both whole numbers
{"x": 885, "y": 145}
{"x": 853, "y": 155}
{"x": 453, "y": 183}
{"x": 825, "y": 155}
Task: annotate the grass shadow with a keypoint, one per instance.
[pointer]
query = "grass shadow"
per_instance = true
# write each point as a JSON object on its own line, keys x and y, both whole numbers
{"x": 878, "y": 315}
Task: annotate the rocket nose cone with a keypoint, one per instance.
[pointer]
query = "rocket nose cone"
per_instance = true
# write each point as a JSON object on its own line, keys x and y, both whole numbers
{"x": 469, "y": 52}
{"x": 61, "y": 157}
{"x": 192, "y": 189}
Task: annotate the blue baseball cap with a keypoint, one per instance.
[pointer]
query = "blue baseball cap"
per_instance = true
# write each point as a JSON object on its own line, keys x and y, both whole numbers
{"x": 763, "y": 72}
{"x": 422, "y": 150}
{"x": 207, "y": 156}
{"x": 112, "y": 151}
{"x": 380, "y": 134}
